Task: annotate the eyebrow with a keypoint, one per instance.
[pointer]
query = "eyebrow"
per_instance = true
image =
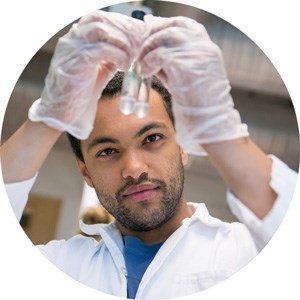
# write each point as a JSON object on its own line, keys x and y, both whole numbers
{"x": 104, "y": 140}
{"x": 101, "y": 140}
{"x": 148, "y": 127}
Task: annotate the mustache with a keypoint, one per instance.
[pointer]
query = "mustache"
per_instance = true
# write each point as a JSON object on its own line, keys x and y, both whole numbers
{"x": 142, "y": 179}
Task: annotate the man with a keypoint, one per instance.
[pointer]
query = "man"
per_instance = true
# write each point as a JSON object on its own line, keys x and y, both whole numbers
{"x": 160, "y": 246}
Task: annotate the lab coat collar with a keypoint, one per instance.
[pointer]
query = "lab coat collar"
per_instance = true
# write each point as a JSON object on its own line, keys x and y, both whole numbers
{"x": 112, "y": 232}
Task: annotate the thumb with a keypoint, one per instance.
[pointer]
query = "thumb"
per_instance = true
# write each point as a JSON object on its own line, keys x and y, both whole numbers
{"x": 106, "y": 72}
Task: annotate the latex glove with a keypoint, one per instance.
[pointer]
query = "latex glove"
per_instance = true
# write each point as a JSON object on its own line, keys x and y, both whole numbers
{"x": 84, "y": 60}
{"x": 179, "y": 51}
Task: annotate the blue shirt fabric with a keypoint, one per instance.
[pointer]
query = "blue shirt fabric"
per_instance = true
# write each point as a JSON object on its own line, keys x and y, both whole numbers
{"x": 138, "y": 257}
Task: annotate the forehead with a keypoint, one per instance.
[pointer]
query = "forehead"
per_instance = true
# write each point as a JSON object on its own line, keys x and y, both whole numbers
{"x": 109, "y": 119}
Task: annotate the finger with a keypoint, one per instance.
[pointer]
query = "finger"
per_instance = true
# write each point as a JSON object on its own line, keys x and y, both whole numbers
{"x": 167, "y": 47}
{"x": 120, "y": 21}
{"x": 171, "y": 33}
{"x": 133, "y": 28}
{"x": 155, "y": 24}
{"x": 105, "y": 73}
{"x": 166, "y": 38}
{"x": 72, "y": 58}
{"x": 95, "y": 32}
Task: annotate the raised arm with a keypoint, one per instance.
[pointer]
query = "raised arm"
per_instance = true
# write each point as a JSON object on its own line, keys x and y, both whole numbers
{"x": 84, "y": 60}
{"x": 246, "y": 170}
{"x": 191, "y": 66}
{"x": 23, "y": 154}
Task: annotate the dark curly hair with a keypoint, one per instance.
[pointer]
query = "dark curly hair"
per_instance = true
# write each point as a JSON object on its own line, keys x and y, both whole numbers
{"x": 113, "y": 89}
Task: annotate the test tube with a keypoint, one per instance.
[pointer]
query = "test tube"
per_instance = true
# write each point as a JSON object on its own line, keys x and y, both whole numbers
{"x": 135, "y": 92}
{"x": 142, "y": 102}
{"x": 136, "y": 88}
{"x": 130, "y": 90}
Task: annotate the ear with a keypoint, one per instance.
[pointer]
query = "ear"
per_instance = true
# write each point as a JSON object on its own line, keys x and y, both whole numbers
{"x": 85, "y": 173}
{"x": 184, "y": 157}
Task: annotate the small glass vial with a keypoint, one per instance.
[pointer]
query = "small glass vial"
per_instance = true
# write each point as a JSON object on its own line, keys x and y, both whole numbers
{"x": 142, "y": 102}
{"x": 135, "y": 92}
{"x": 130, "y": 90}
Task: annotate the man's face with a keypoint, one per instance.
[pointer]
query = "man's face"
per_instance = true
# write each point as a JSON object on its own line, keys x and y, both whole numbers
{"x": 135, "y": 165}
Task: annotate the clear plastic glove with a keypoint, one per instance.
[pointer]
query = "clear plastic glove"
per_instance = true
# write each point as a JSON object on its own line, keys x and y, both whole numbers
{"x": 179, "y": 51}
{"x": 84, "y": 60}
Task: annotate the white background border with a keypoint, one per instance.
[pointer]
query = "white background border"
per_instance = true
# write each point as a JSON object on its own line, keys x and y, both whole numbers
{"x": 273, "y": 26}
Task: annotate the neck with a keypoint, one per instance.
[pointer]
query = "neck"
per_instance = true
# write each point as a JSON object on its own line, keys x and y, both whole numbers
{"x": 161, "y": 233}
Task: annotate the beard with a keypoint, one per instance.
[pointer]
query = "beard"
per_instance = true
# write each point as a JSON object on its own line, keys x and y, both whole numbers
{"x": 146, "y": 217}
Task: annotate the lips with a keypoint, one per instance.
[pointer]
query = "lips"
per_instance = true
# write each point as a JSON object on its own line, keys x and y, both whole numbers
{"x": 140, "y": 192}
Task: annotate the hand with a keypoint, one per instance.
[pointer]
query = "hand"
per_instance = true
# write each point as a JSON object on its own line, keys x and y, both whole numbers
{"x": 84, "y": 60}
{"x": 179, "y": 51}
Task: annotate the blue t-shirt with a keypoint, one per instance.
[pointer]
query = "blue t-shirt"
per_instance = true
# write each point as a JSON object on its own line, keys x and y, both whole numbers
{"x": 138, "y": 257}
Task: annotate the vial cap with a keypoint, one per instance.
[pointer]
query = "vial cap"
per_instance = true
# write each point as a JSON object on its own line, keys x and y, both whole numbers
{"x": 138, "y": 14}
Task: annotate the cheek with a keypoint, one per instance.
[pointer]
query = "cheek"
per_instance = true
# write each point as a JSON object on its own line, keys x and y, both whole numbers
{"x": 105, "y": 183}
{"x": 174, "y": 166}
{"x": 167, "y": 166}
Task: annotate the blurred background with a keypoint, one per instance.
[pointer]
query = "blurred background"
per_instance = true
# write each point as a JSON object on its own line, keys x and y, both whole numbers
{"x": 59, "y": 197}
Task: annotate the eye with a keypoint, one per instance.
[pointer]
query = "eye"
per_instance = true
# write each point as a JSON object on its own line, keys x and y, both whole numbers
{"x": 106, "y": 152}
{"x": 152, "y": 138}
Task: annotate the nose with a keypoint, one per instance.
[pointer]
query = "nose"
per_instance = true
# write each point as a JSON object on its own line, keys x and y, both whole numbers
{"x": 134, "y": 165}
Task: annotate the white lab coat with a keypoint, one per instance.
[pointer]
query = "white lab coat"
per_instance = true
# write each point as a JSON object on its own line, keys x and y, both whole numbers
{"x": 201, "y": 253}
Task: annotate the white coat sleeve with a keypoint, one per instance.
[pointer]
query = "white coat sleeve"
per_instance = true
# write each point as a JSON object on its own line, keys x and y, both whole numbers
{"x": 283, "y": 181}
{"x": 18, "y": 195}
